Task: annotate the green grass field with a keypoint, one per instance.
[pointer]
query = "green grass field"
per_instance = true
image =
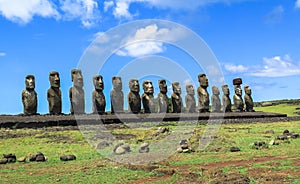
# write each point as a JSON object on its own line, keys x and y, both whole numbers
{"x": 272, "y": 164}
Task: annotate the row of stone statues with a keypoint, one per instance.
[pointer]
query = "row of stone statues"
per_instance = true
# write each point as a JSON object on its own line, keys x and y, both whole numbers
{"x": 77, "y": 97}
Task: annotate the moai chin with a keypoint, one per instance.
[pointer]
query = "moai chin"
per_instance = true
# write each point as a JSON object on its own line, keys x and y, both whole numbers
{"x": 248, "y": 99}
{"x": 176, "y": 98}
{"x": 190, "y": 99}
{"x": 98, "y": 97}
{"x": 134, "y": 99}
{"x": 29, "y": 96}
{"x": 226, "y": 99}
{"x": 163, "y": 103}
{"x": 216, "y": 102}
{"x": 203, "y": 96}
{"x": 237, "y": 97}
{"x": 76, "y": 93}
{"x": 147, "y": 97}
{"x": 117, "y": 96}
{"x": 54, "y": 94}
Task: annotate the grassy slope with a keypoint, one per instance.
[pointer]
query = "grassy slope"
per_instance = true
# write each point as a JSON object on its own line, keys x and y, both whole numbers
{"x": 282, "y": 108}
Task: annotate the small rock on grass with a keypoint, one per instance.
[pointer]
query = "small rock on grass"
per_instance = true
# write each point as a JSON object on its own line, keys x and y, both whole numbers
{"x": 235, "y": 149}
{"x": 22, "y": 159}
{"x": 3, "y": 161}
{"x": 67, "y": 157}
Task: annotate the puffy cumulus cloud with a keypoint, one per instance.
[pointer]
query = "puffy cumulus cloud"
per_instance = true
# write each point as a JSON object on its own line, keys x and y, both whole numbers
{"x": 272, "y": 67}
{"x": 148, "y": 40}
{"x": 107, "y": 5}
{"x": 22, "y": 11}
{"x": 86, "y": 10}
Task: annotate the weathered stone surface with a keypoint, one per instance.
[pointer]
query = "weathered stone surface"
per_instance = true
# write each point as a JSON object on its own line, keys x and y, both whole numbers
{"x": 235, "y": 149}
{"x": 120, "y": 150}
{"x": 54, "y": 94}
{"x": 216, "y": 102}
{"x": 11, "y": 158}
{"x": 22, "y": 159}
{"x": 148, "y": 98}
{"x": 163, "y": 103}
{"x": 3, "y": 161}
{"x": 117, "y": 96}
{"x": 203, "y": 96}
{"x": 176, "y": 98}
{"x": 134, "y": 99}
{"x": 29, "y": 96}
{"x": 98, "y": 97}
{"x": 144, "y": 148}
{"x": 102, "y": 145}
{"x": 248, "y": 99}
{"x": 76, "y": 93}
{"x": 190, "y": 99}
{"x": 237, "y": 98}
{"x": 226, "y": 99}
{"x": 67, "y": 157}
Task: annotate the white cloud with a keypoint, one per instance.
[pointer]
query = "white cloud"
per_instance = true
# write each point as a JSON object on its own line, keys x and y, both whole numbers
{"x": 2, "y": 54}
{"x": 272, "y": 67}
{"x": 297, "y": 4}
{"x": 86, "y": 10}
{"x": 22, "y": 11}
{"x": 121, "y": 10}
{"x": 147, "y": 41}
{"x": 107, "y": 5}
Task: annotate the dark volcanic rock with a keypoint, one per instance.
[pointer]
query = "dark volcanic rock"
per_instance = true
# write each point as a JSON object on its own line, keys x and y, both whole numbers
{"x": 235, "y": 149}
{"x": 3, "y": 161}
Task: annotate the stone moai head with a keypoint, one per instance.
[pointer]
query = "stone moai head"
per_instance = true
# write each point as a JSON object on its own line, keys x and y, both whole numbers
{"x": 148, "y": 87}
{"x": 98, "y": 82}
{"x": 203, "y": 80}
{"x": 77, "y": 78}
{"x": 117, "y": 83}
{"x": 248, "y": 90}
{"x": 54, "y": 79}
{"x": 163, "y": 88}
{"x": 225, "y": 89}
{"x": 176, "y": 88}
{"x": 134, "y": 86}
{"x": 237, "y": 86}
{"x": 30, "y": 82}
{"x": 190, "y": 89}
{"x": 215, "y": 90}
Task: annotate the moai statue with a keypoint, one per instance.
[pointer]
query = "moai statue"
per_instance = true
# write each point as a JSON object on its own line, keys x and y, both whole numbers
{"x": 54, "y": 94}
{"x": 162, "y": 97}
{"x": 215, "y": 99}
{"x": 134, "y": 99}
{"x": 203, "y": 96}
{"x": 248, "y": 99}
{"x": 226, "y": 99}
{"x": 29, "y": 96}
{"x": 117, "y": 96}
{"x": 237, "y": 98}
{"x": 76, "y": 93}
{"x": 98, "y": 97}
{"x": 147, "y": 97}
{"x": 190, "y": 99}
{"x": 176, "y": 98}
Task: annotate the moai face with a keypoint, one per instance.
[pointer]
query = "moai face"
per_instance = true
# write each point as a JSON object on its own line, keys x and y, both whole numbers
{"x": 225, "y": 90}
{"x": 163, "y": 86}
{"x": 248, "y": 90}
{"x": 238, "y": 90}
{"x": 176, "y": 87}
{"x": 77, "y": 78}
{"x": 54, "y": 79}
{"x": 215, "y": 90}
{"x": 190, "y": 89}
{"x": 98, "y": 82}
{"x": 134, "y": 85}
{"x": 117, "y": 83}
{"x": 30, "y": 82}
{"x": 203, "y": 80}
{"x": 148, "y": 87}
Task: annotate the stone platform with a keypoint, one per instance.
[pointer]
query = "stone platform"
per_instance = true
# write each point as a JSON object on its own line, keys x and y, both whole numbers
{"x": 37, "y": 121}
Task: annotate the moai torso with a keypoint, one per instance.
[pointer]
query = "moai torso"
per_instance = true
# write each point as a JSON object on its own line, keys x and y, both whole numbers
{"x": 190, "y": 99}
{"x": 226, "y": 99}
{"x": 148, "y": 98}
{"x": 237, "y": 97}
{"x": 29, "y": 96}
{"x": 248, "y": 99}
{"x": 98, "y": 97}
{"x": 163, "y": 103}
{"x": 54, "y": 94}
{"x": 176, "y": 98}
{"x": 134, "y": 99}
{"x": 216, "y": 102}
{"x": 117, "y": 96}
{"x": 203, "y": 96}
{"x": 76, "y": 93}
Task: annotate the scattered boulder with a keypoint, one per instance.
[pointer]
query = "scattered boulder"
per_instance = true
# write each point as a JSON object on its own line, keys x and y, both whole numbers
{"x": 161, "y": 130}
{"x": 67, "y": 157}
{"x": 259, "y": 145}
{"x": 286, "y": 132}
{"x": 102, "y": 145}
{"x": 184, "y": 147}
{"x": 39, "y": 157}
{"x": 295, "y": 135}
{"x": 234, "y": 149}
{"x": 11, "y": 158}
{"x": 282, "y": 137}
{"x": 144, "y": 148}
{"x": 270, "y": 132}
{"x": 120, "y": 150}
{"x": 3, "y": 161}
{"x": 22, "y": 159}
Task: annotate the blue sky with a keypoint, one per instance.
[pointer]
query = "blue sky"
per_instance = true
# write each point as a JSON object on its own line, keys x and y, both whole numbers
{"x": 257, "y": 40}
